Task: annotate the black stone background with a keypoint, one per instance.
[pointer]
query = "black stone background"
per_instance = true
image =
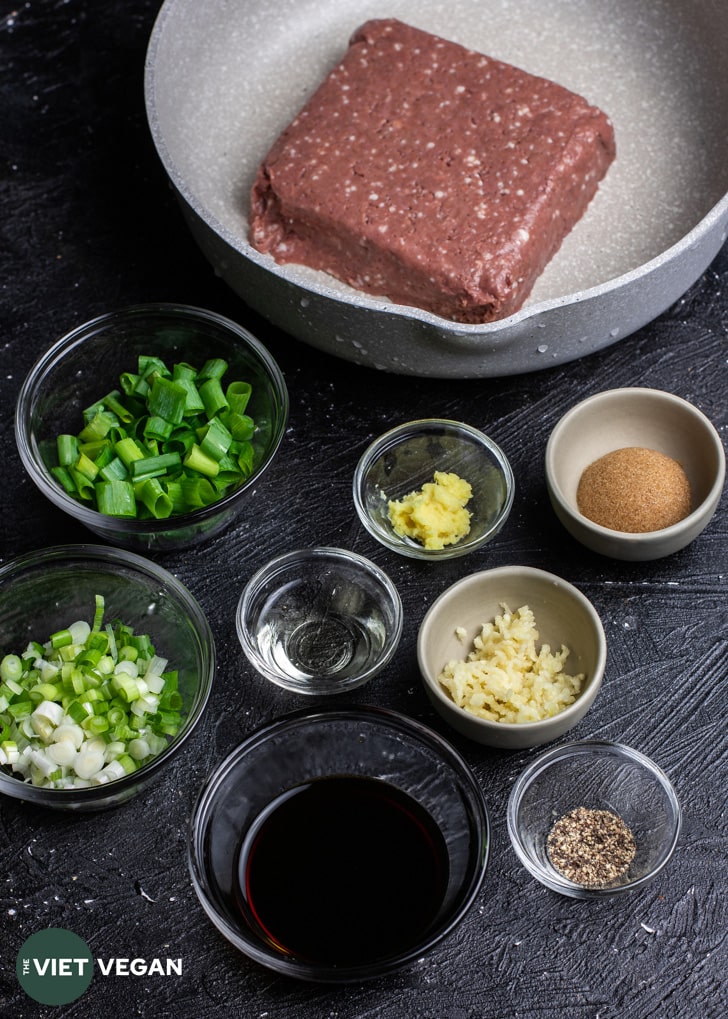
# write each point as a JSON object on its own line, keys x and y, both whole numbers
{"x": 88, "y": 223}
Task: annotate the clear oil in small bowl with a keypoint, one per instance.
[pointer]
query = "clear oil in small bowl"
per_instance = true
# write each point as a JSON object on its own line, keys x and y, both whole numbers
{"x": 319, "y": 634}
{"x": 320, "y": 624}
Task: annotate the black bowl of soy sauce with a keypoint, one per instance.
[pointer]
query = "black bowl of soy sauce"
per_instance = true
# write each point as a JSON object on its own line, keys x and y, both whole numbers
{"x": 336, "y": 846}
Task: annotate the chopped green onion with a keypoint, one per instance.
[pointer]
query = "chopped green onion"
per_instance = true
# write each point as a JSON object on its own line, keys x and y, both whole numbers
{"x": 130, "y": 383}
{"x": 84, "y": 485}
{"x": 98, "y": 427}
{"x": 114, "y": 470}
{"x": 149, "y": 365}
{"x": 238, "y": 394}
{"x": 61, "y": 639}
{"x": 183, "y": 372}
{"x": 96, "y": 723}
{"x": 213, "y": 397}
{"x": 198, "y": 460}
{"x": 174, "y": 425}
{"x": 11, "y": 669}
{"x": 153, "y": 496}
{"x": 216, "y": 440}
{"x": 167, "y": 400}
{"x": 186, "y": 377}
{"x": 20, "y": 709}
{"x": 128, "y": 450}
{"x": 113, "y": 402}
{"x": 116, "y": 498}
{"x": 198, "y": 492}
{"x": 98, "y": 451}
{"x": 67, "y": 448}
{"x": 214, "y": 368}
{"x": 86, "y": 467}
{"x": 64, "y": 479}
{"x": 154, "y": 466}
{"x": 242, "y": 426}
{"x": 98, "y": 613}
{"x": 246, "y": 459}
{"x": 156, "y": 429}
{"x": 45, "y": 692}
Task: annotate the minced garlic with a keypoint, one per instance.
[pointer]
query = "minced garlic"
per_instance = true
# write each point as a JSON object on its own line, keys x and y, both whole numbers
{"x": 505, "y": 679}
{"x": 436, "y": 515}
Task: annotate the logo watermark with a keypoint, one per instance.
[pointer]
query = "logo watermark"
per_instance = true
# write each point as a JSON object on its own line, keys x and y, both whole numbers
{"x": 55, "y": 966}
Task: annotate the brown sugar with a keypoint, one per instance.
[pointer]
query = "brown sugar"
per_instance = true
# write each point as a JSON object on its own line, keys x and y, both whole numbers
{"x": 634, "y": 489}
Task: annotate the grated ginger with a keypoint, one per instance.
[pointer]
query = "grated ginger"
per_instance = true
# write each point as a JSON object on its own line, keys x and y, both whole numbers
{"x": 436, "y": 515}
{"x": 505, "y": 679}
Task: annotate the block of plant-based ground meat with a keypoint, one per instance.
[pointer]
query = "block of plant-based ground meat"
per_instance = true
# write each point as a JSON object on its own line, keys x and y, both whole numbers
{"x": 430, "y": 174}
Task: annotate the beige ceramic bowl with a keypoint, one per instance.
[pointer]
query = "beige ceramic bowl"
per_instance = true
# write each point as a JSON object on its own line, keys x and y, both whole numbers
{"x": 635, "y": 417}
{"x": 563, "y": 615}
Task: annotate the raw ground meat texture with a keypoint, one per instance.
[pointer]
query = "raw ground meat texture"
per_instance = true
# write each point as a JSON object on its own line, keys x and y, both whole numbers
{"x": 429, "y": 174}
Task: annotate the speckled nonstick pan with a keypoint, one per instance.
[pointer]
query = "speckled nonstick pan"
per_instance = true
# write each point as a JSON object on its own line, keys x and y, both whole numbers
{"x": 223, "y": 78}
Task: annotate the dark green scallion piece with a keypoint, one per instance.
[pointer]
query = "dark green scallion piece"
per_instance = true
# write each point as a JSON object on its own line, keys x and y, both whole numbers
{"x": 154, "y": 466}
{"x": 167, "y": 400}
{"x": 67, "y": 450}
{"x": 213, "y": 397}
{"x": 163, "y": 442}
{"x": 153, "y": 496}
{"x": 157, "y": 428}
{"x": 238, "y": 394}
{"x": 114, "y": 470}
{"x": 216, "y": 440}
{"x": 116, "y": 498}
{"x": 213, "y": 368}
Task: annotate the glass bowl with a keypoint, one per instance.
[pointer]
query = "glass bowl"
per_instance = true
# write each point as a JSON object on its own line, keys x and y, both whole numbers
{"x": 598, "y": 776}
{"x": 319, "y": 620}
{"x": 405, "y": 458}
{"x": 45, "y": 591}
{"x": 562, "y": 615}
{"x": 86, "y": 364}
{"x": 355, "y": 754}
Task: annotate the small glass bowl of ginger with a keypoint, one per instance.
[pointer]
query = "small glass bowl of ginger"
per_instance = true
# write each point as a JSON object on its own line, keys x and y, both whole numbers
{"x": 433, "y": 489}
{"x": 635, "y": 473}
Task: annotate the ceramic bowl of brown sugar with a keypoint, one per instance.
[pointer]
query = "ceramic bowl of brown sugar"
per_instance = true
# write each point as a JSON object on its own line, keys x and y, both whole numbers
{"x": 635, "y": 473}
{"x": 593, "y": 819}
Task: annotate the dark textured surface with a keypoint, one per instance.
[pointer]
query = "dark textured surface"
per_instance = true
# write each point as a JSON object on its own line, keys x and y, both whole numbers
{"x": 88, "y": 224}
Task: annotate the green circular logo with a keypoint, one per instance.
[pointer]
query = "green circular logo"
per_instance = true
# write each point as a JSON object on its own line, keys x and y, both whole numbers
{"x": 54, "y": 966}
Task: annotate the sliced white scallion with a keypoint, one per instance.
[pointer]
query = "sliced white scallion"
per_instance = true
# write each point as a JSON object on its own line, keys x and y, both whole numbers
{"x": 88, "y": 763}
{"x": 79, "y": 631}
{"x": 89, "y": 706}
{"x": 63, "y": 753}
{"x": 69, "y": 731}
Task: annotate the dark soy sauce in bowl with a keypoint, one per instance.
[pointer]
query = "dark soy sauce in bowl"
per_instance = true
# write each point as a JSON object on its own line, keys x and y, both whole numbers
{"x": 342, "y": 871}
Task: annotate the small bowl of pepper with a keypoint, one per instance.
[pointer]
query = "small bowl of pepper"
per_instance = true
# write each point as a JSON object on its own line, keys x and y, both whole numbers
{"x": 592, "y": 819}
{"x": 152, "y": 425}
{"x": 433, "y": 489}
{"x": 635, "y": 473}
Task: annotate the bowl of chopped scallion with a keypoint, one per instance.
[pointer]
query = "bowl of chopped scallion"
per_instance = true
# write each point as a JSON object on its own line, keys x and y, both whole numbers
{"x": 106, "y": 665}
{"x": 152, "y": 424}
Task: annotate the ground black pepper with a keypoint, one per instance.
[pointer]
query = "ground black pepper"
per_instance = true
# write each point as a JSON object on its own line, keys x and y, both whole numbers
{"x": 591, "y": 847}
